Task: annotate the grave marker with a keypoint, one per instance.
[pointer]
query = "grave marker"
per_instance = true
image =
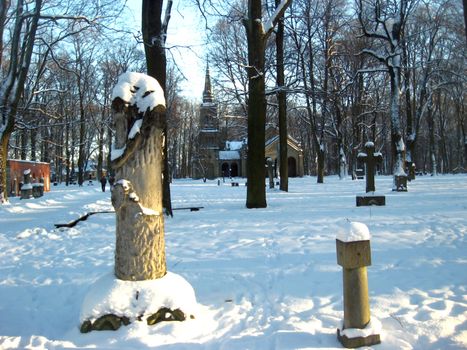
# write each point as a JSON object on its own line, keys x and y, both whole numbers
{"x": 26, "y": 188}
{"x": 270, "y": 172}
{"x": 354, "y": 255}
{"x": 370, "y": 158}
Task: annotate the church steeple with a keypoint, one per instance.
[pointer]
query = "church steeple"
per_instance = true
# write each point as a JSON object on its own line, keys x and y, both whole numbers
{"x": 207, "y": 93}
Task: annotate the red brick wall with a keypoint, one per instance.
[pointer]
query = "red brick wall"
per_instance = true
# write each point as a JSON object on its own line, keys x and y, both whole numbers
{"x": 38, "y": 170}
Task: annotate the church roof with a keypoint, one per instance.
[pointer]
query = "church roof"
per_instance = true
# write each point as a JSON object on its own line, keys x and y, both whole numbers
{"x": 229, "y": 155}
{"x": 207, "y": 93}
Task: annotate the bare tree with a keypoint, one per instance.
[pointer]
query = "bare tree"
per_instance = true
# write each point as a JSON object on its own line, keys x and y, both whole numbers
{"x": 257, "y": 34}
{"x": 154, "y": 36}
{"x": 26, "y": 21}
{"x": 385, "y": 22}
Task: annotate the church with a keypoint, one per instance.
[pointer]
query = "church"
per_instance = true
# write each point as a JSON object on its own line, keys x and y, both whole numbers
{"x": 219, "y": 157}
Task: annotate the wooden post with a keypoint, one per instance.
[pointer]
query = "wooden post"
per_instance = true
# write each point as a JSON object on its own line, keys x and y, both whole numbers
{"x": 354, "y": 257}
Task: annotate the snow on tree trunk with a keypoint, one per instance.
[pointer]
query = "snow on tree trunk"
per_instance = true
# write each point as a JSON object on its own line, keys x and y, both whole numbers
{"x": 342, "y": 164}
{"x": 3, "y": 165}
{"x": 137, "y": 158}
{"x": 396, "y": 128}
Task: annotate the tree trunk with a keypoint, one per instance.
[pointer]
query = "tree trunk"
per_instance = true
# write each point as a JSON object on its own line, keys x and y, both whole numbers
{"x": 256, "y": 192}
{"x": 82, "y": 141}
{"x": 433, "y": 143}
{"x": 320, "y": 164}
{"x": 398, "y": 147}
{"x": 3, "y": 164}
{"x": 282, "y": 101}
{"x": 137, "y": 197}
{"x": 156, "y": 61}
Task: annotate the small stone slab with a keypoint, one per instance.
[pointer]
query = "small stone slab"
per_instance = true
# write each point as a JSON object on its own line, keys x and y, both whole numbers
{"x": 165, "y": 314}
{"x": 108, "y": 322}
{"x": 352, "y": 343}
{"x": 352, "y": 255}
{"x": 370, "y": 200}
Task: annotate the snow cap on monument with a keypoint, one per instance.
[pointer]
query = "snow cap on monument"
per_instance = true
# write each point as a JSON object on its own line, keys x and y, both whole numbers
{"x": 139, "y": 89}
{"x": 353, "y": 231}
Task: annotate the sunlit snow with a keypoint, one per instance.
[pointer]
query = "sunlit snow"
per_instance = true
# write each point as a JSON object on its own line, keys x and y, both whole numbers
{"x": 263, "y": 278}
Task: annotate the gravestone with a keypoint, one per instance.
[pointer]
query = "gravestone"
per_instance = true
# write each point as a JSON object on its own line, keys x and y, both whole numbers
{"x": 412, "y": 170}
{"x": 26, "y": 188}
{"x": 400, "y": 183}
{"x": 370, "y": 158}
{"x": 270, "y": 172}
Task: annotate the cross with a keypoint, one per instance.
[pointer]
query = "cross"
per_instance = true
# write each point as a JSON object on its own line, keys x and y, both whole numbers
{"x": 370, "y": 158}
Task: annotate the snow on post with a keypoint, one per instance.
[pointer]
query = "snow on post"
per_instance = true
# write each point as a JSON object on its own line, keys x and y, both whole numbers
{"x": 354, "y": 255}
{"x": 354, "y": 231}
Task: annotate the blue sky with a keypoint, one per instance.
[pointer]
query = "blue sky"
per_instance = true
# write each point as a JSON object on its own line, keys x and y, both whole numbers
{"x": 186, "y": 42}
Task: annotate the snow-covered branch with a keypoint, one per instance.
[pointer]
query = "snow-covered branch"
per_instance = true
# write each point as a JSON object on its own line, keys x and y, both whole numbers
{"x": 278, "y": 13}
{"x": 374, "y": 54}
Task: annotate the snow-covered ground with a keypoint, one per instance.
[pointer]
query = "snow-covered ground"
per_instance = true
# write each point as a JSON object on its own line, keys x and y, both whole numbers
{"x": 264, "y": 278}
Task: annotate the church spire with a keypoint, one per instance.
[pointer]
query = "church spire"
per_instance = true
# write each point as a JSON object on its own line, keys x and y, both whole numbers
{"x": 207, "y": 93}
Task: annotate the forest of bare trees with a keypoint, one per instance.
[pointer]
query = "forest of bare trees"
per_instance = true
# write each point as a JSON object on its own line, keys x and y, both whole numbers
{"x": 392, "y": 72}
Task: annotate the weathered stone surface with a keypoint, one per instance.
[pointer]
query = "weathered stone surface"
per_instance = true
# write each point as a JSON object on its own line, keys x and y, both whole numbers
{"x": 370, "y": 200}
{"x": 86, "y": 327}
{"x": 137, "y": 195}
{"x": 356, "y": 301}
{"x": 108, "y": 322}
{"x": 352, "y": 255}
{"x": 352, "y": 343}
{"x": 166, "y": 314}
{"x": 400, "y": 183}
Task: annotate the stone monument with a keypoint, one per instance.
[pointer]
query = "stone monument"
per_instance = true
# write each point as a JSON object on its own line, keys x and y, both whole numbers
{"x": 270, "y": 172}
{"x": 152, "y": 294}
{"x": 354, "y": 255}
{"x": 370, "y": 158}
{"x": 26, "y": 188}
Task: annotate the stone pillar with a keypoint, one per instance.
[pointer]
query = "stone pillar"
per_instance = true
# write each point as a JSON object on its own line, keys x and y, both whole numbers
{"x": 354, "y": 256}
{"x": 270, "y": 172}
{"x": 26, "y": 189}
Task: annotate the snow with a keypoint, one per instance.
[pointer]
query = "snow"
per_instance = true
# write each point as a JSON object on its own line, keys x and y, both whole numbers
{"x": 116, "y": 153}
{"x": 264, "y": 278}
{"x": 269, "y": 25}
{"x": 27, "y": 172}
{"x": 361, "y": 155}
{"x": 373, "y": 327}
{"x": 110, "y": 295}
{"x": 133, "y": 88}
{"x": 135, "y": 129}
{"x": 369, "y": 144}
{"x": 229, "y": 155}
{"x": 234, "y": 145}
{"x": 354, "y": 231}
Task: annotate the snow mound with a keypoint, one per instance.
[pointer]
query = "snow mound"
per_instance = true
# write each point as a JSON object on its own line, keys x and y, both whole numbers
{"x": 354, "y": 231}
{"x": 134, "y": 299}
